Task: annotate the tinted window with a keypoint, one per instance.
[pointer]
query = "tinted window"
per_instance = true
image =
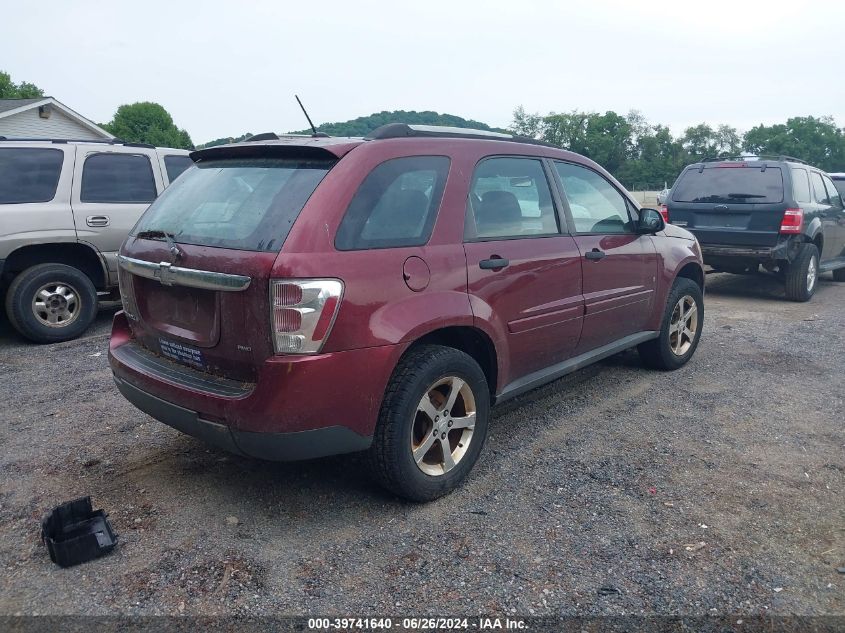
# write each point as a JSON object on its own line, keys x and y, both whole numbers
{"x": 832, "y": 192}
{"x": 396, "y": 205}
{"x": 735, "y": 185}
{"x": 800, "y": 185}
{"x": 175, "y": 165}
{"x": 818, "y": 188}
{"x": 840, "y": 187}
{"x": 510, "y": 197}
{"x": 29, "y": 175}
{"x": 595, "y": 204}
{"x": 117, "y": 178}
{"x": 247, "y": 204}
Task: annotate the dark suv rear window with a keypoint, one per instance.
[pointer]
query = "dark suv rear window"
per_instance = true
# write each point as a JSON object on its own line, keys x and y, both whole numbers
{"x": 29, "y": 174}
{"x": 246, "y": 204}
{"x": 735, "y": 185}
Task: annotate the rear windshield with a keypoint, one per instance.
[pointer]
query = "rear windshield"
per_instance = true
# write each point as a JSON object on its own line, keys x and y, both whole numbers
{"x": 736, "y": 185}
{"x": 245, "y": 204}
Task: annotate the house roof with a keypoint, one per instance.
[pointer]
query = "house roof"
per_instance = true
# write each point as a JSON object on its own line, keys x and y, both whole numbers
{"x": 10, "y": 107}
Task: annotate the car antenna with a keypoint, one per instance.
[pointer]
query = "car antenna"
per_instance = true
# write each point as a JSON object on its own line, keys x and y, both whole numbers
{"x": 305, "y": 112}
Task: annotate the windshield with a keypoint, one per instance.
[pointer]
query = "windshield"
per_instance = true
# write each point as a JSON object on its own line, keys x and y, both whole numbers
{"x": 741, "y": 185}
{"x": 246, "y": 204}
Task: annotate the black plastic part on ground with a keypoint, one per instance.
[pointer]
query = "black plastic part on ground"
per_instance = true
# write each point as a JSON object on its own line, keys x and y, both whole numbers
{"x": 75, "y": 533}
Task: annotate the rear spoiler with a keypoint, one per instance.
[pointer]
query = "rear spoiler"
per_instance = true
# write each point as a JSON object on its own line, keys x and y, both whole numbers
{"x": 300, "y": 149}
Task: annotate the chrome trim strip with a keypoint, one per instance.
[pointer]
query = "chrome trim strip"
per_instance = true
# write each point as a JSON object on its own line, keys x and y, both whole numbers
{"x": 170, "y": 275}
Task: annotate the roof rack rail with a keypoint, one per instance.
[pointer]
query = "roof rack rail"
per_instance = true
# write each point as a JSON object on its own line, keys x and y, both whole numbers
{"x": 60, "y": 141}
{"x": 403, "y": 130}
{"x": 782, "y": 157}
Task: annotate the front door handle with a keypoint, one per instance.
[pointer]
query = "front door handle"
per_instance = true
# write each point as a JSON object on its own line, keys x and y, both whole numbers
{"x": 595, "y": 254}
{"x": 97, "y": 220}
{"x": 494, "y": 263}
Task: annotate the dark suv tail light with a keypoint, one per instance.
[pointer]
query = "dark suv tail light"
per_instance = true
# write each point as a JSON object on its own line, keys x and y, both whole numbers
{"x": 793, "y": 221}
{"x": 664, "y": 211}
{"x": 303, "y": 312}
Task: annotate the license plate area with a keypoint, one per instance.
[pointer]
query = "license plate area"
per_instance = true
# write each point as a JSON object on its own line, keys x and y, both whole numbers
{"x": 182, "y": 353}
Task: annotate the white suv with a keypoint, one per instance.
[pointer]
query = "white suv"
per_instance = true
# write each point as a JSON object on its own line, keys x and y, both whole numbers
{"x": 65, "y": 209}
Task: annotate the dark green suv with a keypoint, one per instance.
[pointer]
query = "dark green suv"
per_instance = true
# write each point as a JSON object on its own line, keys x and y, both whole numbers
{"x": 779, "y": 212}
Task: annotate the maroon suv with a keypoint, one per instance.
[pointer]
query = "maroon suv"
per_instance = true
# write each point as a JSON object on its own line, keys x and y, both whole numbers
{"x": 298, "y": 297}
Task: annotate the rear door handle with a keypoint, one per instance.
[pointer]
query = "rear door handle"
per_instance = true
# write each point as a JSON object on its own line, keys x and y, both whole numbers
{"x": 494, "y": 263}
{"x": 595, "y": 254}
{"x": 97, "y": 220}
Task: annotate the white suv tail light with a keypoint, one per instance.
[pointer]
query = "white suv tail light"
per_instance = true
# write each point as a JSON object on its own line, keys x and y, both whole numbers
{"x": 303, "y": 312}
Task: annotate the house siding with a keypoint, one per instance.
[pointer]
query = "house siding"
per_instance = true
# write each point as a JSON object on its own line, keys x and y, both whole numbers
{"x": 28, "y": 124}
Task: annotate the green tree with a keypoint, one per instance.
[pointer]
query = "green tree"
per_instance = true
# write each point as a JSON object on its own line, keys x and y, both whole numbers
{"x": 23, "y": 90}
{"x": 816, "y": 140}
{"x": 703, "y": 141}
{"x": 525, "y": 124}
{"x": 147, "y": 122}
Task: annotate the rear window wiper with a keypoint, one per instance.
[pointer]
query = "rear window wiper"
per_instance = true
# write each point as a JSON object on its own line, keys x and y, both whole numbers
{"x": 157, "y": 234}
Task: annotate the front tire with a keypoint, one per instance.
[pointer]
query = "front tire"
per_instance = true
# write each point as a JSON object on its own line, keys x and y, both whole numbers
{"x": 680, "y": 331}
{"x": 432, "y": 424}
{"x": 50, "y": 303}
{"x": 802, "y": 276}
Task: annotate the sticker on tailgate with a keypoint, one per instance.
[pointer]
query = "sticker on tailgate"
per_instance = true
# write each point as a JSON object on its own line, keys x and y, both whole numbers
{"x": 181, "y": 353}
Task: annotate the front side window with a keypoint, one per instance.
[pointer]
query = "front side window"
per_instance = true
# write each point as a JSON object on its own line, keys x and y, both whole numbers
{"x": 818, "y": 188}
{"x": 117, "y": 178}
{"x": 245, "y": 204}
{"x": 175, "y": 164}
{"x": 800, "y": 185}
{"x": 596, "y": 205}
{"x": 29, "y": 174}
{"x": 396, "y": 205}
{"x": 510, "y": 198}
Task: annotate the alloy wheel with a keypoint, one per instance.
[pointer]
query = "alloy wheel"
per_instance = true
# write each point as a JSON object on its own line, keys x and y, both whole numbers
{"x": 56, "y": 304}
{"x": 812, "y": 274}
{"x": 443, "y": 426}
{"x": 683, "y": 325}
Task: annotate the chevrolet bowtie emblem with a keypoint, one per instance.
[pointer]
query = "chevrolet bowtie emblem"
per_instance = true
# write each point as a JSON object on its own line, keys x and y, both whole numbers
{"x": 165, "y": 274}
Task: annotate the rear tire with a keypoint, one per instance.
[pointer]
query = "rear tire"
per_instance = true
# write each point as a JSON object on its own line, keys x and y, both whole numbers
{"x": 50, "y": 303}
{"x": 434, "y": 395}
{"x": 839, "y": 274}
{"x": 680, "y": 331}
{"x": 802, "y": 276}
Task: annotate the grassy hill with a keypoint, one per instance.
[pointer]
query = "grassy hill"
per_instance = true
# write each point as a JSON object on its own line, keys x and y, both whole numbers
{"x": 365, "y": 124}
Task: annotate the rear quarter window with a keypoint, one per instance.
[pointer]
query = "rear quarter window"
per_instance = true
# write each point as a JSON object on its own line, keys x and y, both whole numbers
{"x": 396, "y": 204}
{"x": 734, "y": 185}
{"x": 800, "y": 185}
{"x": 175, "y": 164}
{"x": 29, "y": 174}
{"x": 118, "y": 179}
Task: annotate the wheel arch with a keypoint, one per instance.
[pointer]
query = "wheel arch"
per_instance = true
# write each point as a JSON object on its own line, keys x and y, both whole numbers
{"x": 470, "y": 340}
{"x": 692, "y": 270}
{"x": 79, "y": 256}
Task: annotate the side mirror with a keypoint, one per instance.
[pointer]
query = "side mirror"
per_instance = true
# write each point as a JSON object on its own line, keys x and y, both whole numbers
{"x": 650, "y": 221}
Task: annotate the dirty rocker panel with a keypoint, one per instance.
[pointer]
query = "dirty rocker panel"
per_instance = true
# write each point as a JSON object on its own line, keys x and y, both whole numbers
{"x": 538, "y": 378}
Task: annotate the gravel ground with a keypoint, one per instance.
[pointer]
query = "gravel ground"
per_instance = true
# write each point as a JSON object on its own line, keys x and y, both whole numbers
{"x": 616, "y": 490}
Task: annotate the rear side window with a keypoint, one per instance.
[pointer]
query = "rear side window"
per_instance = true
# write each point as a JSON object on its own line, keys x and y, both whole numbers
{"x": 510, "y": 197}
{"x": 832, "y": 192}
{"x": 29, "y": 174}
{"x": 839, "y": 183}
{"x": 246, "y": 204}
{"x": 396, "y": 205}
{"x": 800, "y": 185}
{"x": 818, "y": 188}
{"x": 117, "y": 178}
{"x": 175, "y": 164}
{"x": 734, "y": 185}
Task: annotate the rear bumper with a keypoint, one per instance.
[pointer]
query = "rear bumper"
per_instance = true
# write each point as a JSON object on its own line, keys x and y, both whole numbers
{"x": 331, "y": 440}
{"x": 716, "y": 252}
{"x": 298, "y": 407}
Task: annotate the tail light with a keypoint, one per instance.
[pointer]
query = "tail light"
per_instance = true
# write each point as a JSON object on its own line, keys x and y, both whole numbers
{"x": 127, "y": 293}
{"x": 664, "y": 211}
{"x": 303, "y": 312}
{"x": 793, "y": 221}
